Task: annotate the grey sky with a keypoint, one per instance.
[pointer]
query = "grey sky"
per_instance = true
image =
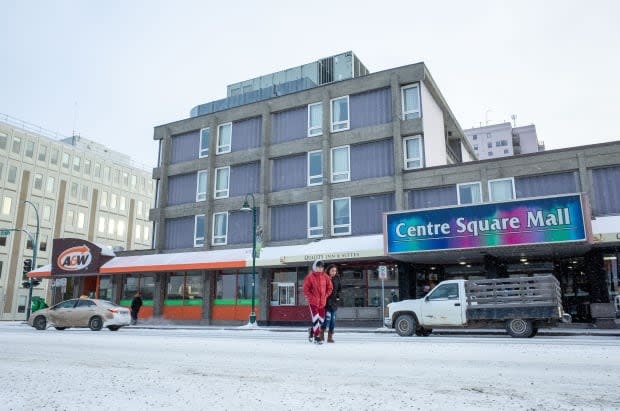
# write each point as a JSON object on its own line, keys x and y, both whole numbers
{"x": 113, "y": 70}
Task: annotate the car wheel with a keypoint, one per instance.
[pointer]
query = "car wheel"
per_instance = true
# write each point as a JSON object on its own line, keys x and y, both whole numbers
{"x": 405, "y": 325}
{"x": 95, "y": 323}
{"x": 60, "y": 328}
{"x": 519, "y": 328}
{"x": 114, "y": 327}
{"x": 534, "y": 332}
{"x": 40, "y": 323}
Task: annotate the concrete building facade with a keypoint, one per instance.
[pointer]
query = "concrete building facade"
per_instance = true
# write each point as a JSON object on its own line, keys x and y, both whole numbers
{"x": 503, "y": 140}
{"x": 80, "y": 188}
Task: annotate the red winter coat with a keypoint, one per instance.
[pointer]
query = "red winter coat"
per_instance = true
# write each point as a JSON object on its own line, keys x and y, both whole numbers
{"x": 317, "y": 287}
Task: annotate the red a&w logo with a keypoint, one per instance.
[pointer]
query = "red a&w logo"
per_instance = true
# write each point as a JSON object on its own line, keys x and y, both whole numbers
{"x": 74, "y": 258}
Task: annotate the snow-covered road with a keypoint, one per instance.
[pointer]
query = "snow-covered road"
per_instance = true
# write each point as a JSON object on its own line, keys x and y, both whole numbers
{"x": 261, "y": 369}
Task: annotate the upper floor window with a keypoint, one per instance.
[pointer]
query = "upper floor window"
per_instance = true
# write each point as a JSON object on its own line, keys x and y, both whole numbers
{"x": 12, "y": 174}
{"x": 205, "y": 138}
{"x": 104, "y": 199}
{"x": 29, "y": 151}
{"x": 413, "y": 152}
{"x": 87, "y": 167}
{"x": 474, "y": 137}
{"x": 315, "y": 219}
{"x": 97, "y": 170}
{"x": 224, "y": 138}
{"x": 51, "y": 183}
{"x": 315, "y": 168}
{"x": 411, "y": 102}
{"x": 76, "y": 164}
{"x": 502, "y": 189}
{"x": 16, "y": 148}
{"x": 74, "y": 190}
{"x": 476, "y": 147}
{"x": 341, "y": 216}
{"x": 65, "y": 160}
{"x": 54, "y": 157}
{"x": 222, "y": 179}
{"x": 340, "y": 114}
{"x": 315, "y": 119}
{"x": 201, "y": 186}
{"x": 220, "y": 228}
{"x": 199, "y": 231}
{"x": 341, "y": 170}
{"x": 7, "y": 205}
{"x": 3, "y": 140}
{"x": 121, "y": 203}
{"x": 469, "y": 193}
{"x": 38, "y": 181}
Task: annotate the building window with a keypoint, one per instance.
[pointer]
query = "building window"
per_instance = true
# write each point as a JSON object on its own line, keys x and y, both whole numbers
{"x": 70, "y": 218}
{"x": 489, "y": 145}
{"x": 16, "y": 148}
{"x": 29, "y": 152}
{"x": 340, "y": 114}
{"x": 411, "y": 102}
{"x": 490, "y": 154}
{"x": 111, "y": 227}
{"x": 120, "y": 228}
{"x": 51, "y": 182}
{"x": 121, "y": 203}
{"x": 104, "y": 199}
{"x": 506, "y": 151}
{"x": 220, "y": 228}
{"x": 139, "y": 208}
{"x": 101, "y": 227}
{"x": 502, "y": 189}
{"x": 12, "y": 175}
{"x": 204, "y": 142}
{"x": 315, "y": 119}
{"x": 54, "y": 157}
{"x": 413, "y": 153}
{"x": 87, "y": 167}
{"x": 47, "y": 212}
{"x": 315, "y": 219}
{"x": 476, "y": 147}
{"x": 134, "y": 181}
{"x": 65, "y": 160}
{"x": 97, "y": 170}
{"x": 341, "y": 170}
{"x": 488, "y": 135}
{"x": 315, "y": 168}
{"x": 201, "y": 186}
{"x": 7, "y": 205}
{"x": 74, "y": 190}
{"x": 222, "y": 177}
{"x": 341, "y": 216}
{"x": 474, "y": 137}
{"x": 224, "y": 138}
{"x": 113, "y": 201}
{"x": 199, "y": 230}
{"x": 42, "y": 153}
{"x": 38, "y": 181}
{"x": 84, "y": 193}
{"x": 3, "y": 140}
{"x": 146, "y": 233}
{"x": 125, "y": 179}
{"x": 80, "y": 221}
{"x": 138, "y": 233}
{"x": 76, "y": 164}
{"x": 469, "y": 193}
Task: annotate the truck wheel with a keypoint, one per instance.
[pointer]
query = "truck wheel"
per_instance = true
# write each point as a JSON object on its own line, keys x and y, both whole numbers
{"x": 519, "y": 328}
{"x": 405, "y": 325}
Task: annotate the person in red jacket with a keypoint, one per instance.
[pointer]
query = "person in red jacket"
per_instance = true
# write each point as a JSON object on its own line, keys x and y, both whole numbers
{"x": 317, "y": 287}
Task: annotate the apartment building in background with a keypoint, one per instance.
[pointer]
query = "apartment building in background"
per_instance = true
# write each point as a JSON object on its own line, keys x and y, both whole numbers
{"x": 503, "y": 140}
{"x": 80, "y": 188}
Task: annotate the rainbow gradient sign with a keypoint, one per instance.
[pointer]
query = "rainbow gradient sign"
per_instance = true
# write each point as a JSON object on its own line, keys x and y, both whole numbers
{"x": 532, "y": 221}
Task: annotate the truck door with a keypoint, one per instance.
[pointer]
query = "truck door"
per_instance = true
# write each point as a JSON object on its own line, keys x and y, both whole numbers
{"x": 442, "y": 306}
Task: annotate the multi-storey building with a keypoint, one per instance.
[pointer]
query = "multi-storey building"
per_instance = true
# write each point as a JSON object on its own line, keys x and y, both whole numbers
{"x": 323, "y": 165}
{"x": 79, "y": 188}
{"x": 502, "y": 140}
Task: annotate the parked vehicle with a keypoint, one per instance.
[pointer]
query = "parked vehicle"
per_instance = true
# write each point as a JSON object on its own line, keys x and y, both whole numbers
{"x": 521, "y": 305}
{"x": 81, "y": 312}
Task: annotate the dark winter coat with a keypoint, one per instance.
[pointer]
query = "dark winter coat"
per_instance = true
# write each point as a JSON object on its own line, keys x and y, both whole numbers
{"x": 334, "y": 298}
{"x": 136, "y": 303}
{"x": 317, "y": 286}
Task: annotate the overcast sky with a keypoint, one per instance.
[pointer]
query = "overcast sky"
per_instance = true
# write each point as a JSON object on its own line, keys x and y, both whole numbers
{"x": 111, "y": 71}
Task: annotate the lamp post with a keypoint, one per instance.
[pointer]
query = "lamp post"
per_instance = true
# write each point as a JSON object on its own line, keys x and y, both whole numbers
{"x": 35, "y": 247}
{"x": 246, "y": 207}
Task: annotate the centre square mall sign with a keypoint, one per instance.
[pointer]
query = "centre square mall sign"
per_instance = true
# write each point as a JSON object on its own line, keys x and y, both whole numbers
{"x": 529, "y": 221}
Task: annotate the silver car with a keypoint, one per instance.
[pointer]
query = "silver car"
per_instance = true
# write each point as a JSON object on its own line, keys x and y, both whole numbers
{"x": 81, "y": 312}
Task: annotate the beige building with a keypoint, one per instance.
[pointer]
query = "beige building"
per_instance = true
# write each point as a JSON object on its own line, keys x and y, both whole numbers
{"x": 80, "y": 188}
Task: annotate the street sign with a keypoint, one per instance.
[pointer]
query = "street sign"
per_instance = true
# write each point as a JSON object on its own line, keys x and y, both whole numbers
{"x": 5, "y": 233}
{"x": 382, "y": 270}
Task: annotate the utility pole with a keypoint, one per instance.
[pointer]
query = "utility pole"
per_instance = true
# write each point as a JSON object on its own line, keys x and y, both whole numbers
{"x": 35, "y": 248}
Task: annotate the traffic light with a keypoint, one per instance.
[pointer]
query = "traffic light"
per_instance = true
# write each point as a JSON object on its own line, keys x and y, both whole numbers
{"x": 27, "y": 266}
{"x": 26, "y": 284}
{"x": 35, "y": 282}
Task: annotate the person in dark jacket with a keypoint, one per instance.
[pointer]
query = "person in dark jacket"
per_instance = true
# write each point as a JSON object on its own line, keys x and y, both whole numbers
{"x": 136, "y": 303}
{"x": 317, "y": 287}
{"x": 332, "y": 304}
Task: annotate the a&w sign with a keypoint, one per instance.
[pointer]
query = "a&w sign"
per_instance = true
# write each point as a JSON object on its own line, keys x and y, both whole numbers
{"x": 75, "y": 256}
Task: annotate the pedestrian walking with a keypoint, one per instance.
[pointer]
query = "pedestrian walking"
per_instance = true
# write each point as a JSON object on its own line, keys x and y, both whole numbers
{"x": 136, "y": 303}
{"x": 332, "y": 304}
{"x": 317, "y": 287}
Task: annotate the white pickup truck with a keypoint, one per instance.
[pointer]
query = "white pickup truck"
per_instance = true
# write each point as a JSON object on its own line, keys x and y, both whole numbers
{"x": 521, "y": 304}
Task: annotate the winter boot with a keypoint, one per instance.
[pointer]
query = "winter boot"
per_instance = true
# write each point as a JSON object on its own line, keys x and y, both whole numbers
{"x": 318, "y": 340}
{"x": 310, "y": 334}
{"x": 330, "y": 334}
{"x": 322, "y": 335}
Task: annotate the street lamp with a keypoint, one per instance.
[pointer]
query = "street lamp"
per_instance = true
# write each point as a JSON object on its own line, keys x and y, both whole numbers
{"x": 35, "y": 247}
{"x": 246, "y": 207}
